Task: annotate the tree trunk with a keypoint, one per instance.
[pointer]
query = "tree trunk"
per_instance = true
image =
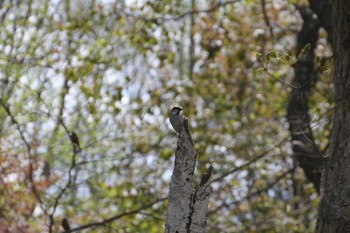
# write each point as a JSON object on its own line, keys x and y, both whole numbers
{"x": 334, "y": 209}
{"x": 188, "y": 206}
{"x": 323, "y": 10}
{"x": 305, "y": 150}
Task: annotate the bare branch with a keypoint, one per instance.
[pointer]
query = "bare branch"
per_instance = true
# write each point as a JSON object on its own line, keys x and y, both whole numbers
{"x": 179, "y": 17}
{"x": 257, "y": 192}
{"x": 116, "y": 217}
{"x": 29, "y": 152}
{"x": 266, "y": 18}
{"x": 262, "y": 155}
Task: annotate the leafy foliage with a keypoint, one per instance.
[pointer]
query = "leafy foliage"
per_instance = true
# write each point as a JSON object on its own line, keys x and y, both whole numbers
{"x": 110, "y": 71}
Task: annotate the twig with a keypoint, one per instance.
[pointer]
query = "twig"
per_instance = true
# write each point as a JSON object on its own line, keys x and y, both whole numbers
{"x": 257, "y": 192}
{"x": 29, "y": 152}
{"x": 249, "y": 162}
{"x": 266, "y": 18}
{"x": 69, "y": 181}
{"x": 116, "y": 217}
{"x": 270, "y": 185}
{"x": 187, "y": 13}
{"x": 280, "y": 80}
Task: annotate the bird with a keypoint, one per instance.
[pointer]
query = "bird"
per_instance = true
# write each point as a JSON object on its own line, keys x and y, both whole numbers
{"x": 176, "y": 119}
{"x": 65, "y": 224}
{"x": 46, "y": 170}
{"x": 75, "y": 141}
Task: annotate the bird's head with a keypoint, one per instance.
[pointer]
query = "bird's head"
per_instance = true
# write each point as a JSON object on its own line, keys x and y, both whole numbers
{"x": 176, "y": 110}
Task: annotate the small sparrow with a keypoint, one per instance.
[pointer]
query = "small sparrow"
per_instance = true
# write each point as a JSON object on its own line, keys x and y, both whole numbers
{"x": 176, "y": 119}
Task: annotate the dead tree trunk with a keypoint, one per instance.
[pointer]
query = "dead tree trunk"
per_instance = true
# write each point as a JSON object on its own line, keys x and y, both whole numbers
{"x": 188, "y": 206}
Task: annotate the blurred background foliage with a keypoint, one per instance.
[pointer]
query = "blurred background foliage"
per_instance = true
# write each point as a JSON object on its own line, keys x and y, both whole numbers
{"x": 111, "y": 70}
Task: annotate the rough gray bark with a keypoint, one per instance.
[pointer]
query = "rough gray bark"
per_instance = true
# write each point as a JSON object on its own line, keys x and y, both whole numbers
{"x": 304, "y": 148}
{"x": 188, "y": 206}
{"x": 334, "y": 209}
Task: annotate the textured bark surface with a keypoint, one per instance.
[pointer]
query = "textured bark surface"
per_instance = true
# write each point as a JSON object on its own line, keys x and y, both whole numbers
{"x": 304, "y": 148}
{"x": 188, "y": 206}
{"x": 200, "y": 203}
{"x": 334, "y": 209}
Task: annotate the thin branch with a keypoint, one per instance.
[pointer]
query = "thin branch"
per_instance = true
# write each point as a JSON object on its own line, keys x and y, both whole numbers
{"x": 257, "y": 192}
{"x": 266, "y": 18}
{"x": 63, "y": 94}
{"x": 29, "y": 152}
{"x": 70, "y": 173}
{"x": 249, "y": 162}
{"x": 264, "y": 190}
{"x": 63, "y": 190}
{"x": 187, "y": 13}
{"x": 280, "y": 80}
{"x": 309, "y": 137}
{"x": 116, "y": 217}
{"x": 313, "y": 77}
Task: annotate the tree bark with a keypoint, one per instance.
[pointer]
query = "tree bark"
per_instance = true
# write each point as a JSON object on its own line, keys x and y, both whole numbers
{"x": 334, "y": 209}
{"x": 304, "y": 148}
{"x": 188, "y": 206}
{"x": 323, "y": 10}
